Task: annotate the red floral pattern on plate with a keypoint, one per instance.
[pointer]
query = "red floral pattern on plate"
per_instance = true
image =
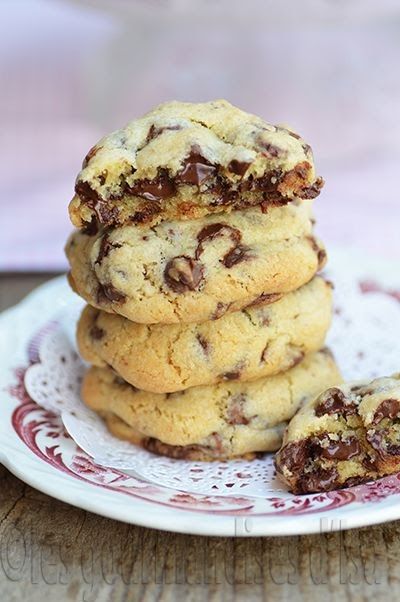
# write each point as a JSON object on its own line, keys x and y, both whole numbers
{"x": 44, "y": 435}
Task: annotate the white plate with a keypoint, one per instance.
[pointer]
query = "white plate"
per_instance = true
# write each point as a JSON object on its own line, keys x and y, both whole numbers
{"x": 36, "y": 448}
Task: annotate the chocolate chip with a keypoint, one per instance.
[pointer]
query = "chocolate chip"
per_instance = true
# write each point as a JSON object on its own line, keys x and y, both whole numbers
{"x": 335, "y": 402}
{"x": 183, "y": 274}
{"x": 96, "y": 333}
{"x": 235, "y": 410}
{"x": 389, "y": 408}
{"x": 108, "y": 292}
{"x": 238, "y": 167}
{"x": 212, "y": 231}
{"x": 204, "y": 343}
{"x": 196, "y": 169}
{"x": 159, "y": 188}
{"x": 237, "y": 255}
{"x": 105, "y": 247}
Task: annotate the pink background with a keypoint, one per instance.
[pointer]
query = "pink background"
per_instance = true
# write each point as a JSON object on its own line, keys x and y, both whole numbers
{"x": 71, "y": 71}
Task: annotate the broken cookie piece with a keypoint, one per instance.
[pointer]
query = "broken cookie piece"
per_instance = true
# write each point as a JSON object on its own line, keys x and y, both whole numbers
{"x": 347, "y": 435}
{"x": 187, "y": 160}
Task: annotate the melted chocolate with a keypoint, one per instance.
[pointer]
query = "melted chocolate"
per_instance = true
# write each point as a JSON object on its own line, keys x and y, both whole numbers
{"x": 319, "y": 480}
{"x": 196, "y": 169}
{"x": 157, "y": 189}
{"x": 341, "y": 450}
{"x": 238, "y": 167}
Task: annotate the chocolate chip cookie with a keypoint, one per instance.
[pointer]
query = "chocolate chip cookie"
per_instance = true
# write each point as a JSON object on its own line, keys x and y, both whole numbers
{"x": 192, "y": 271}
{"x": 184, "y": 161}
{"x": 212, "y": 422}
{"x": 262, "y": 340}
{"x": 347, "y": 435}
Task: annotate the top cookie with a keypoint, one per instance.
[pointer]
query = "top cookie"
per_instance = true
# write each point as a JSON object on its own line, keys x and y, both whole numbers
{"x": 184, "y": 161}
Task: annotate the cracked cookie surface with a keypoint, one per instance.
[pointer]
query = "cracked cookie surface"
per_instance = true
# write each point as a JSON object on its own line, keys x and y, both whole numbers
{"x": 192, "y": 271}
{"x": 186, "y": 160}
{"x": 258, "y": 341}
{"x": 348, "y": 435}
{"x": 210, "y": 422}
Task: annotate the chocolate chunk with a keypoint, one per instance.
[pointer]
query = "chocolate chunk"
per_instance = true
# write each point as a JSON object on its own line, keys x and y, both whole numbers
{"x": 183, "y": 274}
{"x": 336, "y": 403}
{"x": 292, "y": 456}
{"x": 161, "y": 187}
{"x": 237, "y": 255}
{"x": 108, "y": 292}
{"x": 238, "y": 167}
{"x": 185, "y": 451}
{"x": 318, "y": 480}
{"x": 265, "y": 299}
{"x": 321, "y": 253}
{"x": 233, "y": 375}
{"x": 96, "y": 333}
{"x": 212, "y": 231}
{"x": 297, "y": 359}
{"x": 264, "y": 353}
{"x": 146, "y": 213}
{"x": 310, "y": 192}
{"x": 235, "y": 409}
{"x": 155, "y": 131}
{"x": 293, "y": 134}
{"x": 93, "y": 151}
{"x": 270, "y": 150}
{"x": 341, "y": 450}
{"x": 86, "y": 193}
{"x": 91, "y": 228}
{"x": 196, "y": 169}
{"x": 105, "y": 247}
{"x": 389, "y": 408}
{"x": 204, "y": 343}
{"x": 353, "y": 481}
{"x": 106, "y": 214}
{"x": 220, "y": 310}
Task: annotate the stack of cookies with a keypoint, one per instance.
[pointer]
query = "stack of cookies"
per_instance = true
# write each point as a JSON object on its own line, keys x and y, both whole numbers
{"x": 195, "y": 251}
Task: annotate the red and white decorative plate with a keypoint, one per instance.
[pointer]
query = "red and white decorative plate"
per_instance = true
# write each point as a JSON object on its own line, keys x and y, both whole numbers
{"x": 36, "y": 447}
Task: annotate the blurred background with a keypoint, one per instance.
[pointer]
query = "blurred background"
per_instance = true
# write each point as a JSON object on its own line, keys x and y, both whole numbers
{"x": 71, "y": 71}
